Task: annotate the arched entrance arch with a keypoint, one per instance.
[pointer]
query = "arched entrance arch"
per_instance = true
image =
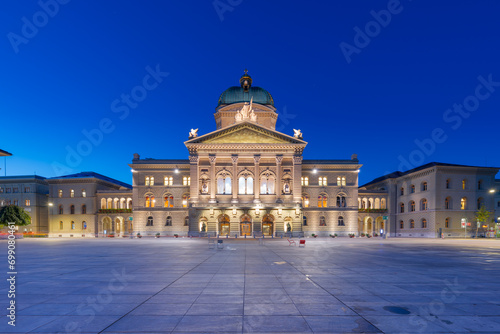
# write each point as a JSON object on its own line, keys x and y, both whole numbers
{"x": 224, "y": 226}
{"x": 287, "y": 225}
{"x": 268, "y": 224}
{"x": 245, "y": 225}
{"x": 119, "y": 228}
{"x": 203, "y": 224}
{"x": 379, "y": 224}
{"x": 106, "y": 225}
{"x": 368, "y": 225}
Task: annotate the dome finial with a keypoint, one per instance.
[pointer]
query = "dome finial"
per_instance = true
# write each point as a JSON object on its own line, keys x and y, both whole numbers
{"x": 246, "y": 81}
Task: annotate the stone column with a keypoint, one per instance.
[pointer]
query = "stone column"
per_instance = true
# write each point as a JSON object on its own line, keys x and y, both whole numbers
{"x": 194, "y": 189}
{"x": 278, "y": 189}
{"x": 234, "y": 158}
{"x": 213, "y": 181}
{"x": 256, "y": 183}
{"x": 297, "y": 174}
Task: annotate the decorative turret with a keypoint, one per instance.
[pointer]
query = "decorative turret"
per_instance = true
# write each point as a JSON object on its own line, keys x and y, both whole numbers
{"x": 246, "y": 81}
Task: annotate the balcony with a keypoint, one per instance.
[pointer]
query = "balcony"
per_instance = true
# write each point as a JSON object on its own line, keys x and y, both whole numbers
{"x": 114, "y": 211}
{"x": 372, "y": 210}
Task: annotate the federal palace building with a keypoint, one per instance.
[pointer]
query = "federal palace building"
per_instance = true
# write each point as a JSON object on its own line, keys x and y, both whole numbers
{"x": 246, "y": 179}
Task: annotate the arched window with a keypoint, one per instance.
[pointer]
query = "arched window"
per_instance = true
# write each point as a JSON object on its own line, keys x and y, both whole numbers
{"x": 168, "y": 201}
{"x": 84, "y": 225}
{"x": 115, "y": 203}
{"x": 122, "y": 203}
{"x": 129, "y": 203}
{"x": 341, "y": 221}
{"x": 383, "y": 203}
{"x": 480, "y": 202}
{"x": 447, "y": 222}
{"x": 424, "y": 186}
{"x": 61, "y": 210}
{"x": 377, "y": 203}
{"x": 72, "y": 193}
{"x": 370, "y": 203}
{"x": 84, "y": 193}
{"x": 267, "y": 183}
{"x": 245, "y": 184}
{"x": 401, "y": 224}
{"x": 424, "y": 223}
{"x": 305, "y": 200}
{"x": 168, "y": 221}
{"x": 203, "y": 224}
{"x": 150, "y": 221}
{"x": 412, "y": 223}
{"x": 304, "y": 221}
{"x": 401, "y": 207}
{"x": 186, "y": 221}
{"x": 224, "y": 183}
{"x": 448, "y": 184}
{"x": 463, "y": 203}
{"x": 61, "y": 225}
{"x": 322, "y": 201}
{"x": 103, "y": 203}
{"x": 322, "y": 221}
{"x": 412, "y": 189}
{"x": 72, "y": 225}
{"x": 447, "y": 203}
{"x": 84, "y": 209}
{"x": 322, "y": 181}
{"x": 185, "y": 200}
{"x": 341, "y": 201}
{"x": 304, "y": 180}
{"x": 60, "y": 193}
{"x": 402, "y": 191}
{"x": 412, "y": 206}
{"x": 169, "y": 181}
{"x": 72, "y": 209}
{"x": 423, "y": 204}
{"x": 464, "y": 184}
{"x": 479, "y": 184}
{"x": 148, "y": 201}
{"x": 109, "y": 203}
{"x": 364, "y": 204}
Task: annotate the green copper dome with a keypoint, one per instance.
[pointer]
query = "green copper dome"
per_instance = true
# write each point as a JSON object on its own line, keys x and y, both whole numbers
{"x": 245, "y": 93}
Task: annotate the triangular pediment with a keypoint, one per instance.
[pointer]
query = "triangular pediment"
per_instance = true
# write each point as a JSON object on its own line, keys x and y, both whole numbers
{"x": 245, "y": 133}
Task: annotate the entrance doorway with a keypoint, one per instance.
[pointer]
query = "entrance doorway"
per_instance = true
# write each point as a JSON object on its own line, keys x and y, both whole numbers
{"x": 268, "y": 225}
{"x": 246, "y": 225}
{"x": 224, "y": 227}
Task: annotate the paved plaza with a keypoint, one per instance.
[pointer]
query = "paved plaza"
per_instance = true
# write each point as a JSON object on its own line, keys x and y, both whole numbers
{"x": 172, "y": 285}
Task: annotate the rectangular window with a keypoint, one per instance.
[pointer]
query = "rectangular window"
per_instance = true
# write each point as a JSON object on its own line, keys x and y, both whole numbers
{"x": 1, "y": 190}
{"x": 16, "y": 190}
{"x": 27, "y": 189}
{"x": 27, "y": 202}
{"x": 16, "y": 202}
{"x": 8, "y": 191}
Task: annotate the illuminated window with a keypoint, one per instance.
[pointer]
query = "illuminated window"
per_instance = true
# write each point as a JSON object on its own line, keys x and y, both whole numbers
{"x": 463, "y": 203}
{"x": 424, "y": 223}
{"x": 147, "y": 181}
{"x": 424, "y": 186}
{"x": 60, "y": 193}
{"x": 245, "y": 185}
{"x": 412, "y": 224}
{"x": 341, "y": 221}
{"x": 340, "y": 181}
{"x": 383, "y": 203}
{"x": 448, "y": 184}
{"x": 1, "y": 190}
{"x": 148, "y": 201}
{"x": 464, "y": 184}
{"x": 16, "y": 202}
{"x": 447, "y": 223}
{"x": 149, "y": 221}
{"x": 84, "y": 193}
{"x": 341, "y": 201}
{"x": 168, "y": 221}
{"x": 305, "y": 200}
{"x": 185, "y": 200}
{"x": 304, "y": 180}
{"x": 322, "y": 181}
{"x": 72, "y": 209}
{"x": 412, "y": 189}
{"x": 27, "y": 202}
{"x": 169, "y": 181}
{"x": 412, "y": 206}
{"x": 447, "y": 203}
{"x": 61, "y": 225}
{"x": 322, "y": 201}
{"x": 224, "y": 184}
{"x": 168, "y": 201}
{"x": 401, "y": 224}
{"x": 322, "y": 221}
{"x": 84, "y": 209}
{"x": 186, "y": 181}
{"x": 152, "y": 181}
{"x": 72, "y": 225}
{"x": 72, "y": 193}
{"x": 423, "y": 204}
{"x": 267, "y": 183}
{"x": 61, "y": 210}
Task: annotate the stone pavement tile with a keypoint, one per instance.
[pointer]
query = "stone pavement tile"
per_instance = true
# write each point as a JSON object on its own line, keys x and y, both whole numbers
{"x": 73, "y": 323}
{"x": 340, "y": 324}
{"x": 49, "y": 309}
{"x": 368, "y": 298}
{"x": 181, "y": 291}
{"x": 223, "y": 291}
{"x": 102, "y": 308}
{"x": 324, "y": 309}
{"x": 113, "y": 298}
{"x": 216, "y": 299}
{"x": 276, "y": 324}
{"x": 474, "y": 324}
{"x": 348, "y": 291}
{"x": 312, "y": 299}
{"x": 407, "y": 298}
{"x": 204, "y": 323}
{"x": 271, "y": 309}
{"x": 435, "y": 307}
{"x": 32, "y": 299}
{"x": 25, "y": 323}
{"x": 314, "y": 290}
{"x": 479, "y": 308}
{"x": 370, "y": 308}
{"x": 144, "y": 324}
{"x": 264, "y": 291}
{"x": 217, "y": 309}
{"x": 396, "y": 324}
{"x": 268, "y": 299}
{"x": 161, "y": 309}
{"x": 172, "y": 299}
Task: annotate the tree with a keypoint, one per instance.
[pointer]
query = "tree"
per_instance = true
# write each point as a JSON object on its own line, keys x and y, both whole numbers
{"x": 14, "y": 214}
{"x": 482, "y": 215}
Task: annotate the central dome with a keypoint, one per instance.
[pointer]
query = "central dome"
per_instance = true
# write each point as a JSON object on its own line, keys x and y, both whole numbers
{"x": 245, "y": 93}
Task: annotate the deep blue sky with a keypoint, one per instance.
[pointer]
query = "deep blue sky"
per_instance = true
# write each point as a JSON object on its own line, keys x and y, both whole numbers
{"x": 396, "y": 89}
